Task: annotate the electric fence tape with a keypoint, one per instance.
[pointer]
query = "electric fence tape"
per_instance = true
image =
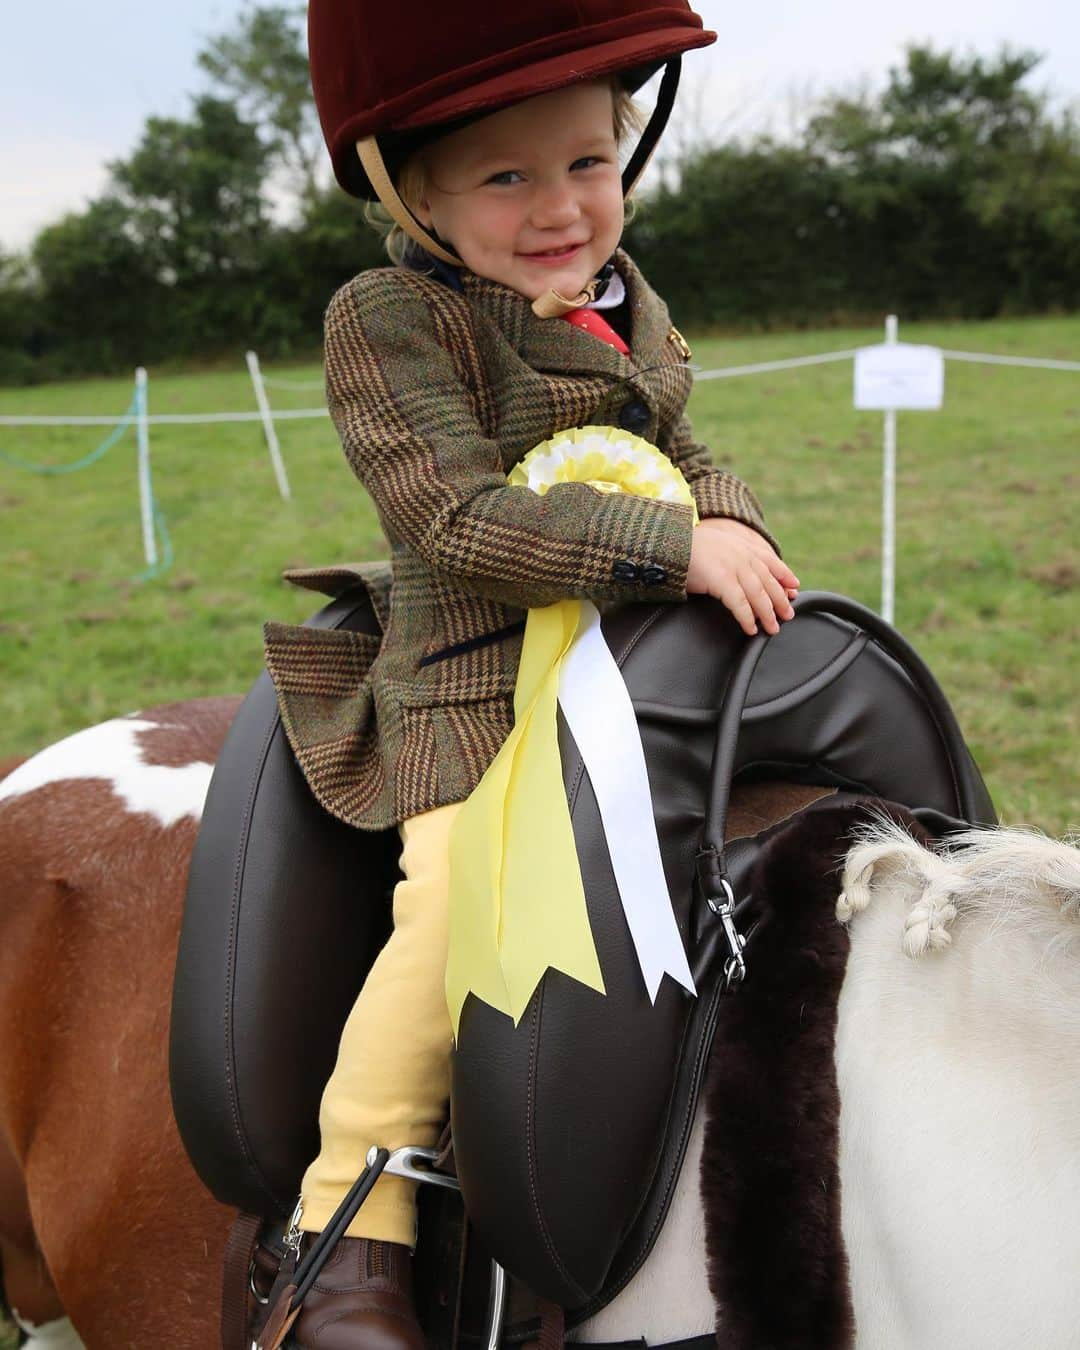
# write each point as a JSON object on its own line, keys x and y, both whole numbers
{"x": 99, "y": 452}
{"x": 137, "y": 414}
{"x": 132, "y": 416}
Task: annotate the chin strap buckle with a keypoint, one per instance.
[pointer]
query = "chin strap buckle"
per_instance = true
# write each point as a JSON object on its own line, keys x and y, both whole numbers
{"x": 553, "y": 305}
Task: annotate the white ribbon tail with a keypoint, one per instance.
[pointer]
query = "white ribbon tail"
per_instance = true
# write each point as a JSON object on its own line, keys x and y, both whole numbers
{"x": 600, "y": 715}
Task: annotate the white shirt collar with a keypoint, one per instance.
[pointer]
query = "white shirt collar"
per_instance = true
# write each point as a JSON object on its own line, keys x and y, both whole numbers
{"x": 614, "y": 295}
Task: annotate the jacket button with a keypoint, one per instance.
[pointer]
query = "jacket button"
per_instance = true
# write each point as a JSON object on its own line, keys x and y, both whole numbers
{"x": 652, "y": 574}
{"x": 634, "y": 417}
{"x": 626, "y": 573}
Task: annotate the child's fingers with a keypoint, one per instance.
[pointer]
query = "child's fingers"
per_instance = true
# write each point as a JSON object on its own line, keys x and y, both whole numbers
{"x": 737, "y": 602}
{"x": 762, "y": 549}
{"x": 760, "y": 602}
{"x": 749, "y": 578}
{"x": 752, "y": 595}
{"x": 758, "y": 545}
{"x": 783, "y": 573}
{"x": 770, "y": 596}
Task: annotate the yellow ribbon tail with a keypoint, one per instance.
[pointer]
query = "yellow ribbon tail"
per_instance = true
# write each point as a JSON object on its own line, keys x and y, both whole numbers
{"x": 517, "y": 903}
{"x": 472, "y": 961}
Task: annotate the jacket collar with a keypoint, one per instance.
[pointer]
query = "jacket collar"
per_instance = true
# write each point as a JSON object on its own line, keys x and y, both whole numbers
{"x": 553, "y": 345}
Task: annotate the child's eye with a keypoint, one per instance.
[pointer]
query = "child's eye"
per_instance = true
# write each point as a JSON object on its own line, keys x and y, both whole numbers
{"x": 586, "y": 162}
{"x": 507, "y": 178}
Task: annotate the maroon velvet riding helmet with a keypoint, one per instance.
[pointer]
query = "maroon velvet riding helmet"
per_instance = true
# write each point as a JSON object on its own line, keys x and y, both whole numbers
{"x": 380, "y": 68}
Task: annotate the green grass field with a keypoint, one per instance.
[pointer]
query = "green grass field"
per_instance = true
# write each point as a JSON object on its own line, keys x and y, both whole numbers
{"x": 988, "y": 564}
{"x": 987, "y": 570}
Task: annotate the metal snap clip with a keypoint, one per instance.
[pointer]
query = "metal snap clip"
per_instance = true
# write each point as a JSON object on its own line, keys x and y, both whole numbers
{"x": 735, "y": 965}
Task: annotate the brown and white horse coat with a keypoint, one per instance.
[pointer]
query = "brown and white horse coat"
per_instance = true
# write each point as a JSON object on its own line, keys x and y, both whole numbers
{"x": 101, "y": 1215}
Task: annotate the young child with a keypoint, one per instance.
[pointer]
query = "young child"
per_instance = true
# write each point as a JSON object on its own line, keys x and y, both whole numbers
{"x": 499, "y": 131}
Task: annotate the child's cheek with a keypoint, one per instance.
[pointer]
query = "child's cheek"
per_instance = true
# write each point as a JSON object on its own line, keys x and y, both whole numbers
{"x": 503, "y": 221}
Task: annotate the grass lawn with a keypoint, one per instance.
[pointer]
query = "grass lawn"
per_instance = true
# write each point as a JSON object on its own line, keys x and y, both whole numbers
{"x": 988, "y": 563}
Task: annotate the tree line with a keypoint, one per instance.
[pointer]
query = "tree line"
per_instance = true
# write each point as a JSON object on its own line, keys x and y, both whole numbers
{"x": 954, "y": 190}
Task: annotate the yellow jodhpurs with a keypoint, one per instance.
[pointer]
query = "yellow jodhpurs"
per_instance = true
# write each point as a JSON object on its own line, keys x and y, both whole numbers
{"x": 391, "y": 1082}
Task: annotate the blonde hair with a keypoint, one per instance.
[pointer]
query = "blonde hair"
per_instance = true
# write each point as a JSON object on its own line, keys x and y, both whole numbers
{"x": 410, "y": 183}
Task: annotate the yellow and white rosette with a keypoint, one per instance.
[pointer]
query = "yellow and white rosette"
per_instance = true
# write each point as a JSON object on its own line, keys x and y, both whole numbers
{"x": 517, "y": 903}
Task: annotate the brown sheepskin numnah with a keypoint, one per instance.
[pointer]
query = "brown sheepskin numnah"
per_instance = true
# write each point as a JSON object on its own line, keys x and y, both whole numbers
{"x": 770, "y": 1184}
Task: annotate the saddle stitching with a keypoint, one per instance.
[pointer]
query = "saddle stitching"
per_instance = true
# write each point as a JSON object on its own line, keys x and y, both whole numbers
{"x": 530, "y": 1141}
{"x": 635, "y": 637}
{"x": 238, "y": 871}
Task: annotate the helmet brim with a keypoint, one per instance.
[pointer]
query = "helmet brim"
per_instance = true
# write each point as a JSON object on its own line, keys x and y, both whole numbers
{"x": 636, "y": 56}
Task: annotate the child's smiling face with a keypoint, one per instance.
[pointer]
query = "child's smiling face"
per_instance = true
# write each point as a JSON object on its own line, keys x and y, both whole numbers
{"x": 532, "y": 195}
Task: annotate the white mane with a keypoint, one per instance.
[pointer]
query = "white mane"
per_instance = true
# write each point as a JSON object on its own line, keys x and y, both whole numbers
{"x": 1015, "y": 878}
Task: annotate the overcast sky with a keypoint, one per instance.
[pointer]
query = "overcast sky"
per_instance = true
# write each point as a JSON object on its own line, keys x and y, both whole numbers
{"x": 81, "y": 79}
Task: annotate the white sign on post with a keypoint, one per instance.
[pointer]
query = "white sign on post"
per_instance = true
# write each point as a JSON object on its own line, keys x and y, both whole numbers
{"x": 895, "y": 376}
{"x": 899, "y": 376}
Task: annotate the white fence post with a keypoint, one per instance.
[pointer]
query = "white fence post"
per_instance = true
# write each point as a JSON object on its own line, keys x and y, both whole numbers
{"x": 888, "y": 499}
{"x": 269, "y": 429}
{"x": 146, "y": 492}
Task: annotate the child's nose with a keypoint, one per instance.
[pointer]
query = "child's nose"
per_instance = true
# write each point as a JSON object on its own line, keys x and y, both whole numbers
{"x": 555, "y": 206}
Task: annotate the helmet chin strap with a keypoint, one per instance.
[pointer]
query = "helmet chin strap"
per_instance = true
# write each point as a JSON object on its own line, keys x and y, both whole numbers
{"x": 375, "y": 168}
{"x": 654, "y": 129}
{"x": 550, "y": 305}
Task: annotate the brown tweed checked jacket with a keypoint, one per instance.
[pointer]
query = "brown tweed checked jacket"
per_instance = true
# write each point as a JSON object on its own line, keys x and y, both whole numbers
{"x": 436, "y": 395}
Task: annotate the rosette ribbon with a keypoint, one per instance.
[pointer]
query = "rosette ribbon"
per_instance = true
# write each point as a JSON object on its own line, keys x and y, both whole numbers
{"x": 517, "y": 901}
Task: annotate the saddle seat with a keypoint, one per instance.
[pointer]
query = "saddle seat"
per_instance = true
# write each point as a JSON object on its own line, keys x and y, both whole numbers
{"x": 288, "y": 907}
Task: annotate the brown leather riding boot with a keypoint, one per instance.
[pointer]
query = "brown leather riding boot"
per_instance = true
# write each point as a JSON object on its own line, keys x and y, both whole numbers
{"x": 361, "y": 1300}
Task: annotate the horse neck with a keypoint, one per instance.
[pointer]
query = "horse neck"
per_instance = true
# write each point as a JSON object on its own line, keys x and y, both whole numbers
{"x": 959, "y": 1100}
{"x": 1000, "y": 1003}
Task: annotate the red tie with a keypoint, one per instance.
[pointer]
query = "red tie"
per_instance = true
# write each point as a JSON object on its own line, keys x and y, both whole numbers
{"x": 591, "y": 321}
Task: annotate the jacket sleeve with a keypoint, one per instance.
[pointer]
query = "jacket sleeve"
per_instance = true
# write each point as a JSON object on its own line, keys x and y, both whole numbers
{"x": 409, "y": 426}
{"x": 716, "y": 491}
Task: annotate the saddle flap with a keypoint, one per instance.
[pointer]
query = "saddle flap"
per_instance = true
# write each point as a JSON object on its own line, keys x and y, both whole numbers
{"x": 282, "y": 899}
{"x": 569, "y": 1129}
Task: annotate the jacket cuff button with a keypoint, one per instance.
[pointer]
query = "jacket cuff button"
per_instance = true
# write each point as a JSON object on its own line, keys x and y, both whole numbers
{"x": 653, "y": 575}
{"x": 625, "y": 572}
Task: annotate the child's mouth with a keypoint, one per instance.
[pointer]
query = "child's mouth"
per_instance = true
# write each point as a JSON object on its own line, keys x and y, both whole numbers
{"x": 554, "y": 255}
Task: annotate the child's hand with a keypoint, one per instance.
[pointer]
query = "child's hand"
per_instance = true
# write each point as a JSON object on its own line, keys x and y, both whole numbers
{"x": 738, "y": 566}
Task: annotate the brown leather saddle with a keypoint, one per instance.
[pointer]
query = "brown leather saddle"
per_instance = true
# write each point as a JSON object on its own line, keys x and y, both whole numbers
{"x": 288, "y": 907}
